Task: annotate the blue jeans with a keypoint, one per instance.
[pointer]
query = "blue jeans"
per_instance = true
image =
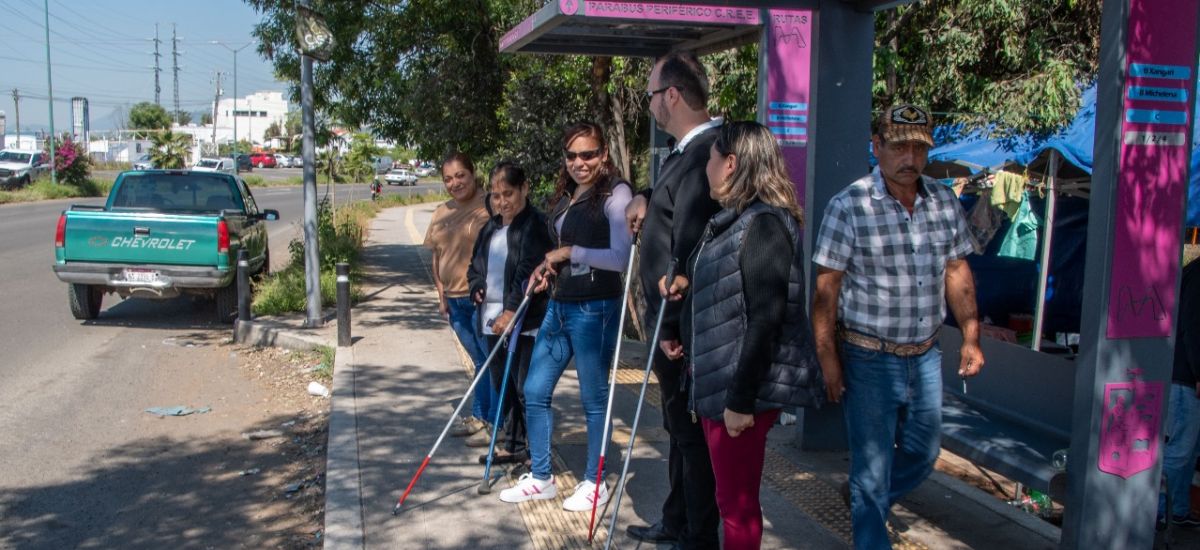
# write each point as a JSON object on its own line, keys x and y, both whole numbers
{"x": 588, "y": 331}
{"x": 893, "y": 408}
{"x": 1179, "y": 457}
{"x": 463, "y": 321}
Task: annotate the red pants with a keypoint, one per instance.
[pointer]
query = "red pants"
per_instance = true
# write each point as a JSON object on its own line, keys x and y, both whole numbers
{"x": 738, "y": 465}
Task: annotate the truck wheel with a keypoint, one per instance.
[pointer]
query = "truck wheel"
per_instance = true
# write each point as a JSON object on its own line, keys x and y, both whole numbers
{"x": 227, "y": 303}
{"x": 85, "y": 300}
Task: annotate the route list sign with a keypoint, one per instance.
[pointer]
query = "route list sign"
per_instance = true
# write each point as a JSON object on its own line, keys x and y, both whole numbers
{"x": 1156, "y": 120}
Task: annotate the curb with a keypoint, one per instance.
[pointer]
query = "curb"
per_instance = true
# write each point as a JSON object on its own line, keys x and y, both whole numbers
{"x": 265, "y": 333}
{"x": 1032, "y": 524}
{"x": 344, "y": 523}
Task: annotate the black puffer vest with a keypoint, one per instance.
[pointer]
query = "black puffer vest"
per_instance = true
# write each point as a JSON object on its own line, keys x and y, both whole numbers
{"x": 719, "y": 321}
{"x": 584, "y": 225}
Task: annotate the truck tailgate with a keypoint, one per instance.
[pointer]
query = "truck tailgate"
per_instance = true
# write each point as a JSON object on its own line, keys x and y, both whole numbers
{"x": 141, "y": 238}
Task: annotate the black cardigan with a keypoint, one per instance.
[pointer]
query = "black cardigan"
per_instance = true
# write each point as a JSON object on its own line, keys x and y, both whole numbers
{"x": 528, "y": 242}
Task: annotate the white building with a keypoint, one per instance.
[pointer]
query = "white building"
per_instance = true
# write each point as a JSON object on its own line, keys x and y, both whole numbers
{"x": 254, "y": 113}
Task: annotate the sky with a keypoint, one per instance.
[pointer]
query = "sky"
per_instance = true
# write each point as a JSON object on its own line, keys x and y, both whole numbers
{"x": 103, "y": 50}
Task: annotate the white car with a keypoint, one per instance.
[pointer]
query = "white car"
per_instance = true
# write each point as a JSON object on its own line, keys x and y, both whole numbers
{"x": 400, "y": 176}
{"x": 283, "y": 161}
{"x": 214, "y": 165}
{"x": 20, "y": 168}
{"x": 424, "y": 171}
{"x": 297, "y": 161}
{"x": 143, "y": 163}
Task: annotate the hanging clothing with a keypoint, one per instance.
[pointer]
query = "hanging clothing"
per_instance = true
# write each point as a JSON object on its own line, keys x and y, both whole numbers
{"x": 1008, "y": 193}
{"x": 984, "y": 220}
{"x": 1021, "y": 240}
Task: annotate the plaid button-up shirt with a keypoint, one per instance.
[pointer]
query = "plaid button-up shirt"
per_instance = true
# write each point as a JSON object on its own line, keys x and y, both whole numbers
{"x": 894, "y": 262}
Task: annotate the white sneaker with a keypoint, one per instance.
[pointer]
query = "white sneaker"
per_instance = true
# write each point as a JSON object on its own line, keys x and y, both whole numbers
{"x": 530, "y": 488}
{"x": 585, "y": 491}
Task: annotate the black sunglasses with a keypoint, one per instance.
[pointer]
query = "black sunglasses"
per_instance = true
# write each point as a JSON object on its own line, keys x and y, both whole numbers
{"x": 583, "y": 155}
{"x": 650, "y": 94}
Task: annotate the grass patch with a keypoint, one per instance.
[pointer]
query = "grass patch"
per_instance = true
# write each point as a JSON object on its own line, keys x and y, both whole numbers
{"x": 42, "y": 189}
{"x": 254, "y": 180}
{"x": 341, "y": 233}
{"x": 324, "y": 370}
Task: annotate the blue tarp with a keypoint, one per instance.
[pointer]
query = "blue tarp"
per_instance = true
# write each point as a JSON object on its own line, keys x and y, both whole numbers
{"x": 1074, "y": 143}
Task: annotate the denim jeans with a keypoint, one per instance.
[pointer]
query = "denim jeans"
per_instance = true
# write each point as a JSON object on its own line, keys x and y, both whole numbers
{"x": 1179, "y": 457}
{"x": 893, "y": 409}
{"x": 588, "y": 331}
{"x": 463, "y": 321}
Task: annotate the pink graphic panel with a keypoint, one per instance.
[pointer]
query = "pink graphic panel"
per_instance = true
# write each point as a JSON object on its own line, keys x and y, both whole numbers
{"x": 661, "y": 11}
{"x": 789, "y": 63}
{"x": 1129, "y": 430}
{"x": 1153, "y": 165}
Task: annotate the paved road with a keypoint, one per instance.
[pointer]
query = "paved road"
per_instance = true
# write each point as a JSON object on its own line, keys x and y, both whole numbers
{"x": 72, "y": 392}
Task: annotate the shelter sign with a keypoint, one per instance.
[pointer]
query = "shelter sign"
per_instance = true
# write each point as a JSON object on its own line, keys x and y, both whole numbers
{"x": 1153, "y": 167}
{"x": 789, "y": 61}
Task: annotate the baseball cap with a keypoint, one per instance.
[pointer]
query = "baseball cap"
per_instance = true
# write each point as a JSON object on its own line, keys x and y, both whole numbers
{"x": 906, "y": 123}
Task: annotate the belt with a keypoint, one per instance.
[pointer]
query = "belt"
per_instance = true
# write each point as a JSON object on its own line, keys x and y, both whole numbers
{"x": 877, "y": 344}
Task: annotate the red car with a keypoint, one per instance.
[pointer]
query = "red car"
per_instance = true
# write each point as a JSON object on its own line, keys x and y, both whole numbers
{"x": 262, "y": 160}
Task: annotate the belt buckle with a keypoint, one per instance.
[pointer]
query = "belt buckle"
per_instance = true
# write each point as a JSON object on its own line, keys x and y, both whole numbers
{"x": 906, "y": 350}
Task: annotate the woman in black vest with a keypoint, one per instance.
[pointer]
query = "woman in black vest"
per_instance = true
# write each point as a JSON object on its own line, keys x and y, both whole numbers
{"x": 510, "y": 246}
{"x": 588, "y": 223}
{"x": 750, "y": 340}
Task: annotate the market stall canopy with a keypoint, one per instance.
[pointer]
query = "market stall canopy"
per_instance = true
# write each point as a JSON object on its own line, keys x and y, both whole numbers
{"x": 976, "y": 151}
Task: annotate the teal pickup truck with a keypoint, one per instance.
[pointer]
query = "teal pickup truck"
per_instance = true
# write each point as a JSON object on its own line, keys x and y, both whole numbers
{"x": 162, "y": 233}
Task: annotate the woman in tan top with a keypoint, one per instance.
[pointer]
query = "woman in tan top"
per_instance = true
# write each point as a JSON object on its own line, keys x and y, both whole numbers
{"x": 451, "y": 237}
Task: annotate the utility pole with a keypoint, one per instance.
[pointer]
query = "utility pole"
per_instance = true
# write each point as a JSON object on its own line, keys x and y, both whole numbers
{"x": 16, "y": 94}
{"x": 50, "y": 88}
{"x": 216, "y": 101}
{"x": 157, "y": 87}
{"x": 175, "y": 69}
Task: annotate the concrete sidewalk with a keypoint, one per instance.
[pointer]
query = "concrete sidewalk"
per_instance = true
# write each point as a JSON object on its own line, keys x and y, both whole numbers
{"x": 396, "y": 387}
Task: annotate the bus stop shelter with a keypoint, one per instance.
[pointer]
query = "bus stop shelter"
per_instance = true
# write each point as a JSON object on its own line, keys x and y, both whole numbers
{"x": 814, "y": 92}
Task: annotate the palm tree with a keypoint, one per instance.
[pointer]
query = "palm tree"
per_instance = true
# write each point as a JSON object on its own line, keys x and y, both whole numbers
{"x": 170, "y": 149}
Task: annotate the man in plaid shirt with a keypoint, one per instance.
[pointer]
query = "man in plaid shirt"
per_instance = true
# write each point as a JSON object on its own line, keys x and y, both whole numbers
{"x": 890, "y": 257}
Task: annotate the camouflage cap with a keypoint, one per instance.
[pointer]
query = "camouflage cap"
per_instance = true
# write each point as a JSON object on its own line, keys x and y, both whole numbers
{"x": 906, "y": 123}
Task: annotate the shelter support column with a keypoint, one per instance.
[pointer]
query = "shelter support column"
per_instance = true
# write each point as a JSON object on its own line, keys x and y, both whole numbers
{"x": 839, "y": 128}
{"x": 1145, "y": 93}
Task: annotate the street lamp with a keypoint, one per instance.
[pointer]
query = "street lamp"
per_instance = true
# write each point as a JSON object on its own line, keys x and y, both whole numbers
{"x": 235, "y": 94}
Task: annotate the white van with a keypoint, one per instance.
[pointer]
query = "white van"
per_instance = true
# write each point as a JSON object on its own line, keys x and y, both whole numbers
{"x": 214, "y": 165}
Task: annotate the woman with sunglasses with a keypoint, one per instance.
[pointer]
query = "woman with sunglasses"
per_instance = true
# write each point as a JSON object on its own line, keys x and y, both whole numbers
{"x": 588, "y": 224}
{"x": 752, "y": 353}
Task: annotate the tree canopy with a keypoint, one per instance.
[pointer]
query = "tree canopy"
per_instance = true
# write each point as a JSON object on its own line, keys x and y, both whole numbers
{"x": 428, "y": 73}
{"x": 148, "y": 116}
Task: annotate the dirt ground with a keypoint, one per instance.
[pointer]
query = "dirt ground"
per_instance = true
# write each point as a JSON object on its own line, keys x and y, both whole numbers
{"x": 293, "y": 517}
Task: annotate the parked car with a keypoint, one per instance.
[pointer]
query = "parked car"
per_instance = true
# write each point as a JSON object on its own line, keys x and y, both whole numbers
{"x": 283, "y": 161}
{"x": 297, "y": 161}
{"x": 162, "y": 233}
{"x": 19, "y": 168}
{"x": 143, "y": 162}
{"x": 262, "y": 160}
{"x": 243, "y": 163}
{"x": 424, "y": 171}
{"x": 214, "y": 165}
{"x": 400, "y": 176}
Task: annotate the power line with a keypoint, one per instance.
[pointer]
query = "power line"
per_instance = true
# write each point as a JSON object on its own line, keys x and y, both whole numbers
{"x": 157, "y": 70}
{"x": 175, "y": 68}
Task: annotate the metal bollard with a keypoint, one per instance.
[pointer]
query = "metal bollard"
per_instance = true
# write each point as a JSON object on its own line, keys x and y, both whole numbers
{"x": 343, "y": 303}
{"x": 243, "y": 285}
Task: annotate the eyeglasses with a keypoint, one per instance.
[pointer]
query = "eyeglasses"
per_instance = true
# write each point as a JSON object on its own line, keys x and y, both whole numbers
{"x": 650, "y": 94}
{"x": 583, "y": 155}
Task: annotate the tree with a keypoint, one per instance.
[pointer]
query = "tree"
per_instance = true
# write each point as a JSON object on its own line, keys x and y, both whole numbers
{"x": 71, "y": 161}
{"x": 206, "y": 118}
{"x": 359, "y": 161}
{"x": 1014, "y": 64}
{"x": 170, "y": 149}
{"x": 183, "y": 117}
{"x": 272, "y": 131}
{"x": 148, "y": 116}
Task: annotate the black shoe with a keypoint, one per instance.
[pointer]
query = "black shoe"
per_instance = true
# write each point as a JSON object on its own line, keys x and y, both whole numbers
{"x": 1188, "y": 522}
{"x": 654, "y": 533}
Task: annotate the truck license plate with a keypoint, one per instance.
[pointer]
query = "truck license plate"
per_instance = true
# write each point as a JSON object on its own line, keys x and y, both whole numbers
{"x": 141, "y": 275}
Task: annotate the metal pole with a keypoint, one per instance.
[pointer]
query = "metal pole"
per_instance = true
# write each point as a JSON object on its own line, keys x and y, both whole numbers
{"x": 50, "y": 88}
{"x": 343, "y": 304}
{"x": 236, "y": 148}
{"x": 312, "y": 268}
{"x": 1039, "y": 316}
{"x": 243, "y": 285}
